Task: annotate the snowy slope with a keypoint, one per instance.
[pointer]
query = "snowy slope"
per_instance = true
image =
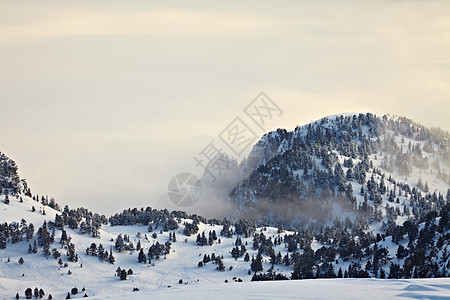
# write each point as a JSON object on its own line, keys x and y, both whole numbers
{"x": 17, "y": 210}
{"x": 305, "y": 289}
{"x": 97, "y": 277}
{"x": 154, "y": 280}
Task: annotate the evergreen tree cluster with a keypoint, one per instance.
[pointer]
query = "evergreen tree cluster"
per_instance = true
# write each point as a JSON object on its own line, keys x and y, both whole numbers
{"x": 36, "y": 293}
{"x": 123, "y": 274}
{"x": 215, "y": 259}
{"x": 10, "y": 183}
{"x": 157, "y": 250}
{"x": 81, "y": 218}
{"x": 15, "y": 233}
{"x": 202, "y": 240}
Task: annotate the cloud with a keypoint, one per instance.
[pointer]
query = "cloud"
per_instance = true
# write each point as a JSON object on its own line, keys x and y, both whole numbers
{"x": 155, "y": 22}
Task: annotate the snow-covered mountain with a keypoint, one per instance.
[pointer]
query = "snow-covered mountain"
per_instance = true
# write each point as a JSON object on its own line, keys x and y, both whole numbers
{"x": 349, "y": 196}
{"x": 356, "y": 163}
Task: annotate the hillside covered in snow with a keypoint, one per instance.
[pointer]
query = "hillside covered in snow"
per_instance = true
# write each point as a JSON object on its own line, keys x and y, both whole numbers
{"x": 353, "y": 203}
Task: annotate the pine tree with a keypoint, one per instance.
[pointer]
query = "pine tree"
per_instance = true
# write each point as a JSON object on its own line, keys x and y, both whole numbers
{"x": 63, "y": 237}
{"x": 111, "y": 257}
{"x": 330, "y": 271}
{"x": 28, "y": 293}
{"x": 206, "y": 258}
{"x": 92, "y": 250}
{"x": 256, "y": 265}
{"x": 71, "y": 255}
{"x": 220, "y": 265}
{"x": 119, "y": 243}
{"x": 46, "y": 250}
{"x": 2, "y": 240}
{"x": 43, "y": 235}
{"x": 29, "y": 232}
{"x": 210, "y": 240}
{"x": 204, "y": 240}
{"x": 138, "y": 246}
{"x": 59, "y": 222}
{"x": 101, "y": 252}
{"x": 142, "y": 257}
{"x": 247, "y": 257}
{"x": 123, "y": 275}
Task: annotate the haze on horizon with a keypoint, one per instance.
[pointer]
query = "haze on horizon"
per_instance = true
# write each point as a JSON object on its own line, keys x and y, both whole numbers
{"x": 103, "y": 102}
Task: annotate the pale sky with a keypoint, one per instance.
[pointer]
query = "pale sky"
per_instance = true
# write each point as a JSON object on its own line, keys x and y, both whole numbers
{"x": 101, "y": 103}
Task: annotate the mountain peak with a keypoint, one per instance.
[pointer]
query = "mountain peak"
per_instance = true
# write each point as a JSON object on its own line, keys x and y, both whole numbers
{"x": 338, "y": 155}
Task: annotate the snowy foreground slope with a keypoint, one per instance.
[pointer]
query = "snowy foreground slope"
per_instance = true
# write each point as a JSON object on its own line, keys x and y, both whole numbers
{"x": 306, "y": 289}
